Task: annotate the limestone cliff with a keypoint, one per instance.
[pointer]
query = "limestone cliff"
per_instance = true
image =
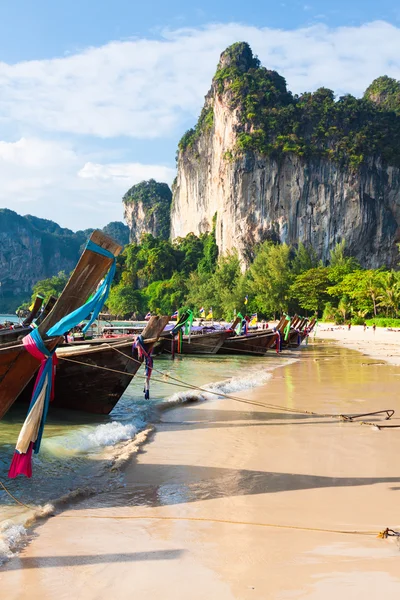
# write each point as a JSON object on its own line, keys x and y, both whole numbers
{"x": 32, "y": 249}
{"x": 274, "y": 166}
{"x": 147, "y": 210}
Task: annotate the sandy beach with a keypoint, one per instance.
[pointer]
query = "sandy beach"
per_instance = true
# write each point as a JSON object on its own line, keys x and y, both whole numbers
{"x": 380, "y": 344}
{"x": 232, "y": 500}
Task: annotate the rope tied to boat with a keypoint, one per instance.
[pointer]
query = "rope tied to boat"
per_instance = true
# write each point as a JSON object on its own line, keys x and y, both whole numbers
{"x": 383, "y": 535}
{"x": 144, "y": 354}
{"x": 169, "y": 379}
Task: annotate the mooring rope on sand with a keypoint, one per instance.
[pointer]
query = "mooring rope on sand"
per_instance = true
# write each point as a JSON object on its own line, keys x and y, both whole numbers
{"x": 385, "y": 533}
{"x": 180, "y": 383}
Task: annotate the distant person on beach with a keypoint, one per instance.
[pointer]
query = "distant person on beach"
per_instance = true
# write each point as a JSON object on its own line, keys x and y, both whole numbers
{"x": 373, "y": 327}
{"x": 349, "y": 326}
{"x": 365, "y": 326}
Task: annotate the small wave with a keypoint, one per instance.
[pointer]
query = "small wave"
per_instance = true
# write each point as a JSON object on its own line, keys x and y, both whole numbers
{"x": 238, "y": 384}
{"x": 218, "y": 389}
{"x": 110, "y": 434}
{"x": 11, "y": 538}
{"x": 102, "y": 436}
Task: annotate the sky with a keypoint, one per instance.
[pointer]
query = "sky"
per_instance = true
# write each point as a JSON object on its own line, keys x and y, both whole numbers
{"x": 95, "y": 94}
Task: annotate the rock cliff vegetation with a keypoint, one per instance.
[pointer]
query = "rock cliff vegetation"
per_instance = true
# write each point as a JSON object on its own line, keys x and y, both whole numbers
{"x": 287, "y": 168}
{"x": 147, "y": 210}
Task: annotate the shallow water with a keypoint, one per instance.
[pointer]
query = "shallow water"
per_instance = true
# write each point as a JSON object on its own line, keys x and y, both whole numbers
{"x": 9, "y": 318}
{"x": 200, "y": 497}
{"x": 77, "y": 449}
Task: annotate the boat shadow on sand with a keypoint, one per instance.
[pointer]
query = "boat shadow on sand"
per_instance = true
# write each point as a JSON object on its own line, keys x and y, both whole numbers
{"x": 40, "y": 562}
{"x": 179, "y": 484}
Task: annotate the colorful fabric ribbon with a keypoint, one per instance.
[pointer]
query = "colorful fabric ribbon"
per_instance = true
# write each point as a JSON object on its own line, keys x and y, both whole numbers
{"x": 32, "y": 430}
{"x": 286, "y": 331}
{"x": 94, "y": 305}
{"x": 278, "y": 341}
{"x": 143, "y": 353}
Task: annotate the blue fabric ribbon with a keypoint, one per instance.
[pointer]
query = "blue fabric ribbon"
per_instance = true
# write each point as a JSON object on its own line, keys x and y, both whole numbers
{"x": 94, "y": 305}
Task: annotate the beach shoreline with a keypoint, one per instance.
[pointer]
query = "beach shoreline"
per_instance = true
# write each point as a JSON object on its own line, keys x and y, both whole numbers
{"x": 193, "y": 517}
{"x": 381, "y": 344}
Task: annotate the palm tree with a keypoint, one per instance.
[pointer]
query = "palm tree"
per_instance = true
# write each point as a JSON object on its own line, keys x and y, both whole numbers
{"x": 389, "y": 295}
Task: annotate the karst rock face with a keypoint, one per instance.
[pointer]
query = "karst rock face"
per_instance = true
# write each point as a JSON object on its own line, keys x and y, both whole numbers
{"x": 147, "y": 210}
{"x": 32, "y": 249}
{"x": 288, "y": 198}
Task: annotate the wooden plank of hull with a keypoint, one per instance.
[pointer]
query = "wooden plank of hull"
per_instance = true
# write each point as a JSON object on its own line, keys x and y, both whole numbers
{"x": 253, "y": 343}
{"x": 205, "y": 343}
{"x": 11, "y": 335}
{"x": 93, "y": 390}
{"x": 18, "y": 365}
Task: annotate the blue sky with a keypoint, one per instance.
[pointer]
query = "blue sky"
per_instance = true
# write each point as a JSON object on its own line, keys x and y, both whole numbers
{"x": 94, "y": 95}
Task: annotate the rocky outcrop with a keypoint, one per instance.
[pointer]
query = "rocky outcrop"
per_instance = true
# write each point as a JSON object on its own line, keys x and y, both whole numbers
{"x": 32, "y": 249}
{"x": 287, "y": 198}
{"x": 147, "y": 210}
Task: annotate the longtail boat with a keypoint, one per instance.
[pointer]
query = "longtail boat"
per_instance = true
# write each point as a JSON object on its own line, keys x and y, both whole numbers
{"x": 256, "y": 342}
{"x": 92, "y": 376}
{"x": 37, "y": 305}
{"x": 198, "y": 342}
{"x": 300, "y": 329}
{"x": 10, "y": 335}
{"x": 17, "y": 365}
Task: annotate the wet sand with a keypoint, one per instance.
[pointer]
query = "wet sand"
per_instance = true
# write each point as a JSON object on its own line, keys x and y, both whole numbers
{"x": 192, "y": 520}
{"x": 380, "y": 344}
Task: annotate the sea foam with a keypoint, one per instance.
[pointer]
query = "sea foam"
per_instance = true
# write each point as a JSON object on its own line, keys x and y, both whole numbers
{"x": 11, "y": 538}
{"x": 219, "y": 388}
{"x": 110, "y": 434}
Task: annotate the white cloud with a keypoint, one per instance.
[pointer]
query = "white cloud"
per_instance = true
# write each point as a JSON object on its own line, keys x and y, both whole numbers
{"x": 53, "y": 180}
{"x": 145, "y": 88}
{"x": 148, "y": 88}
{"x": 126, "y": 174}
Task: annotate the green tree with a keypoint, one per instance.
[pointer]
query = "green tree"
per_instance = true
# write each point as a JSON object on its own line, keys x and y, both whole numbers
{"x": 304, "y": 259}
{"x": 124, "y": 301}
{"x": 270, "y": 278}
{"x": 53, "y": 286}
{"x": 340, "y": 264}
{"x": 389, "y": 295}
{"x": 310, "y": 288}
{"x": 164, "y": 297}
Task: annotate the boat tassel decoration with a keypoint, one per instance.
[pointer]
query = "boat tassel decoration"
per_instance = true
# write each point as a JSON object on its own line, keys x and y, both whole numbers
{"x": 278, "y": 341}
{"x": 286, "y": 331}
{"x": 32, "y": 430}
{"x": 239, "y": 325}
{"x": 143, "y": 353}
{"x": 186, "y": 321}
{"x": 180, "y": 336}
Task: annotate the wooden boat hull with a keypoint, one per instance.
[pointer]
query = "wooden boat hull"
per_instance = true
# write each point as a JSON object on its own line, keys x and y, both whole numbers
{"x": 12, "y": 335}
{"x": 17, "y": 366}
{"x": 206, "y": 343}
{"x": 252, "y": 343}
{"x": 92, "y": 377}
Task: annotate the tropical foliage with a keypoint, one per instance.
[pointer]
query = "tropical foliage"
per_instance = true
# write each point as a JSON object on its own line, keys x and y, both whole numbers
{"x": 161, "y": 277}
{"x": 273, "y": 121}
